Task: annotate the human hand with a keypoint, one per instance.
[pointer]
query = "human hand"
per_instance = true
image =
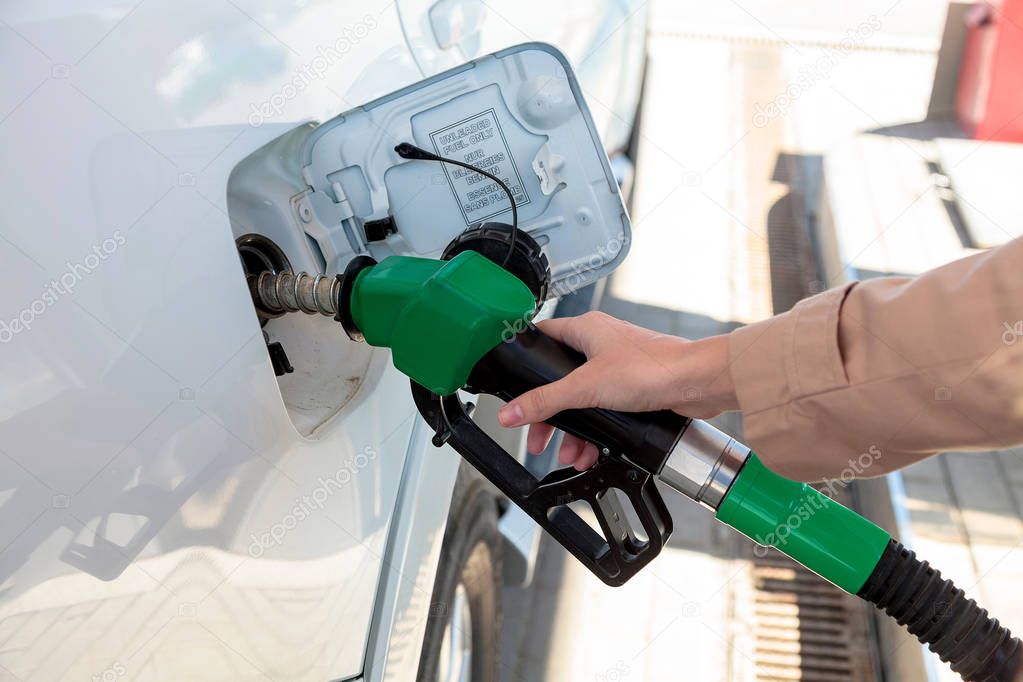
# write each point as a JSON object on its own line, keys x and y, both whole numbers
{"x": 627, "y": 368}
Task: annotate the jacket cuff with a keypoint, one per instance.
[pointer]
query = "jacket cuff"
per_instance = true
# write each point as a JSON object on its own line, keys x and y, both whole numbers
{"x": 789, "y": 356}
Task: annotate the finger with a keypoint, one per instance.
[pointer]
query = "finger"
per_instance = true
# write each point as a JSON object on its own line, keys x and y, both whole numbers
{"x": 539, "y": 436}
{"x": 587, "y": 458}
{"x": 575, "y": 390}
{"x": 571, "y": 448}
{"x": 570, "y": 330}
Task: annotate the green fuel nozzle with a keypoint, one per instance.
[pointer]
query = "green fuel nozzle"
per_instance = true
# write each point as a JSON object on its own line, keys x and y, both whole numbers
{"x": 439, "y": 317}
{"x": 463, "y": 323}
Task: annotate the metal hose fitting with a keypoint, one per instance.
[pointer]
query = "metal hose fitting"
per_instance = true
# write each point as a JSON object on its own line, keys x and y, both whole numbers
{"x": 286, "y": 292}
{"x": 704, "y": 463}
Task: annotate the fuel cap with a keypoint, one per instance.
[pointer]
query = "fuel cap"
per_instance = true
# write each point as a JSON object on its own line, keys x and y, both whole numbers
{"x": 493, "y": 240}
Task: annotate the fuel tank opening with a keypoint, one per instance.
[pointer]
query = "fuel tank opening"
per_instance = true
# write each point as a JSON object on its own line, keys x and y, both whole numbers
{"x": 260, "y": 255}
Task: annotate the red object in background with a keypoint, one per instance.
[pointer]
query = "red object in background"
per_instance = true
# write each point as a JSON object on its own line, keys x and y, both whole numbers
{"x": 989, "y": 97}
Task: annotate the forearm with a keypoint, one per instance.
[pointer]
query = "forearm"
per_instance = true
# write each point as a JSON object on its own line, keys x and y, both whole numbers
{"x": 873, "y": 376}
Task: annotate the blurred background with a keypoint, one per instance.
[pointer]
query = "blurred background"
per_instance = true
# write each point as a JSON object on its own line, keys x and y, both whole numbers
{"x": 783, "y": 148}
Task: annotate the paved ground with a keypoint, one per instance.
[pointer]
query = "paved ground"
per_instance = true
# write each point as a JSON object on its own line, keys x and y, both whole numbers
{"x": 721, "y": 175}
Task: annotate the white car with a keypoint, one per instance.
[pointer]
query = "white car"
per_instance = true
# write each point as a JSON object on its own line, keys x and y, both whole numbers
{"x": 171, "y": 508}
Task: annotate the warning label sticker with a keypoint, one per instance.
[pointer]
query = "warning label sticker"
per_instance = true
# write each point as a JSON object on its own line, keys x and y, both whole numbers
{"x": 479, "y": 140}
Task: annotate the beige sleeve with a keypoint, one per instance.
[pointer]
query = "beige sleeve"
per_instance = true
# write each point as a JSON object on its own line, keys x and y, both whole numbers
{"x": 872, "y": 376}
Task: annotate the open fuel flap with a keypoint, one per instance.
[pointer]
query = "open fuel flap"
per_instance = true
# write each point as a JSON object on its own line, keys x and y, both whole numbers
{"x": 518, "y": 114}
{"x": 324, "y": 194}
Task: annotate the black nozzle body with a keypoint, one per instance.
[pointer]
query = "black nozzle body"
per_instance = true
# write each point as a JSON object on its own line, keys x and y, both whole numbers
{"x": 531, "y": 359}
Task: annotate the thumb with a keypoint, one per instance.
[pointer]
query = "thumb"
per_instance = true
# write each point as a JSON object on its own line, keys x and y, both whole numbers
{"x": 544, "y": 402}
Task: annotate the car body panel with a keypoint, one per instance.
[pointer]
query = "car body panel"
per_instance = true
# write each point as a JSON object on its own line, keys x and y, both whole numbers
{"x": 163, "y": 516}
{"x": 157, "y": 499}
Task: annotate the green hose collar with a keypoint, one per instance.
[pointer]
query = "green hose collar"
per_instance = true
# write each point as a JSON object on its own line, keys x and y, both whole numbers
{"x": 831, "y": 540}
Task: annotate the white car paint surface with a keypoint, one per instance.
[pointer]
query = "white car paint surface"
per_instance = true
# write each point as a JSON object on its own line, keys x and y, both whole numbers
{"x": 161, "y": 513}
{"x": 162, "y": 517}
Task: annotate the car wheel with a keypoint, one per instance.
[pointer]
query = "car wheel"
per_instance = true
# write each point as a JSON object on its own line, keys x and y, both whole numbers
{"x": 461, "y": 642}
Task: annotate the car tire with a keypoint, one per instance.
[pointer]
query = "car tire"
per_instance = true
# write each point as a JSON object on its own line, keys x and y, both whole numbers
{"x": 468, "y": 588}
